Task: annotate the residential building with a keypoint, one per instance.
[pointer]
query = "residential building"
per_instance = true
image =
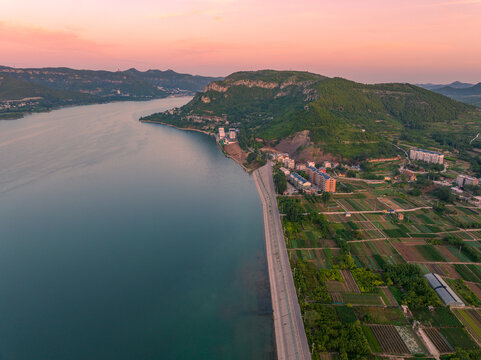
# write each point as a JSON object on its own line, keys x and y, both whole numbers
{"x": 289, "y": 163}
{"x": 298, "y": 181}
{"x": 285, "y": 171}
{"x": 426, "y": 156}
{"x": 232, "y": 134}
{"x": 221, "y": 133}
{"x": 462, "y": 180}
{"x": 300, "y": 167}
{"x": 324, "y": 181}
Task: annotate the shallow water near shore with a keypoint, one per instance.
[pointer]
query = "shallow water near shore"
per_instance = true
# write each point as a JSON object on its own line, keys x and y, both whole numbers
{"x": 127, "y": 240}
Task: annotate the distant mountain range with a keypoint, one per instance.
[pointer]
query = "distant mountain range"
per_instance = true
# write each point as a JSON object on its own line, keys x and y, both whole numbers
{"x": 465, "y": 92}
{"x": 316, "y": 117}
{"x": 28, "y": 90}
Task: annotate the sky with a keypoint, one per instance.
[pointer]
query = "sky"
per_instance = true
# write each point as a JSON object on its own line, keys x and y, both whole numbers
{"x": 415, "y": 41}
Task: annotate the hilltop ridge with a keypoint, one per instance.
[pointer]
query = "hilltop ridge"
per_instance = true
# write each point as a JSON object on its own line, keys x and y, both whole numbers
{"x": 465, "y": 92}
{"x": 342, "y": 119}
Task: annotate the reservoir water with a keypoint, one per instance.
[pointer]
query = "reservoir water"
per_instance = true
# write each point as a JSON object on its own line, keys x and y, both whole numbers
{"x": 122, "y": 240}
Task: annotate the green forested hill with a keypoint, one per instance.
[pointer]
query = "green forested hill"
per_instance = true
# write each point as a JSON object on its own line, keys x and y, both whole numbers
{"x": 12, "y": 88}
{"x": 61, "y": 86}
{"x": 344, "y": 118}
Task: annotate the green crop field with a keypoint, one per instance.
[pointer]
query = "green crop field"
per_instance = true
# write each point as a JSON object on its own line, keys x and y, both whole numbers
{"x": 458, "y": 338}
{"x": 429, "y": 253}
{"x": 473, "y": 320}
{"x": 362, "y": 299}
{"x": 466, "y": 273}
{"x": 346, "y": 314}
{"x": 439, "y": 317}
{"x": 371, "y": 339}
{"x": 376, "y": 315}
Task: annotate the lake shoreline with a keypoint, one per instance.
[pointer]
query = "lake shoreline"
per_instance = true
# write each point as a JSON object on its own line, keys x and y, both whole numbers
{"x": 21, "y": 115}
{"x": 249, "y": 171}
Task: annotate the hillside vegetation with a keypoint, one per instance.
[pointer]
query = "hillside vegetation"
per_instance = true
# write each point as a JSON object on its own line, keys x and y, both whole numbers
{"x": 64, "y": 86}
{"x": 12, "y": 88}
{"x": 344, "y": 119}
{"x": 469, "y": 95}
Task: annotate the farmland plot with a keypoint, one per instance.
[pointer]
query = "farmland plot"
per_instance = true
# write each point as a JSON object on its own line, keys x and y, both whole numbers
{"x": 472, "y": 320}
{"x": 458, "y": 337}
{"x": 350, "y": 282}
{"x": 362, "y": 299}
{"x": 409, "y": 339}
{"x": 409, "y": 253}
{"x": 446, "y": 254}
{"x": 389, "y": 297}
{"x": 389, "y": 339}
{"x": 438, "y": 340}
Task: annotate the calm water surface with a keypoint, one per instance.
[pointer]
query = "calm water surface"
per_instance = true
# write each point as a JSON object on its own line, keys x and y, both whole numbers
{"x": 122, "y": 240}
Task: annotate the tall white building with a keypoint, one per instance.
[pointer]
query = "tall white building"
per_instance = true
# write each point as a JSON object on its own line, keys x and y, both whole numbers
{"x": 221, "y": 133}
{"x": 426, "y": 156}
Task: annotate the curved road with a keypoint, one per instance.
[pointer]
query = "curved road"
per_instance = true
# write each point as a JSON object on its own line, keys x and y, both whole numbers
{"x": 291, "y": 341}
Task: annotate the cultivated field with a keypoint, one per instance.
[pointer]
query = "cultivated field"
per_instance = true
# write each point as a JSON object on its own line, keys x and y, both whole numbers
{"x": 438, "y": 340}
{"x": 389, "y": 339}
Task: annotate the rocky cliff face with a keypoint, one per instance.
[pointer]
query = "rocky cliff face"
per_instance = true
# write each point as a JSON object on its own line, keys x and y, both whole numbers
{"x": 223, "y": 86}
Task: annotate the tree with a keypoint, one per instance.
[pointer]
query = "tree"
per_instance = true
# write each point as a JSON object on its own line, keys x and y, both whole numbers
{"x": 444, "y": 193}
{"x": 351, "y": 174}
{"x": 325, "y": 197}
{"x": 251, "y": 157}
{"x": 280, "y": 182}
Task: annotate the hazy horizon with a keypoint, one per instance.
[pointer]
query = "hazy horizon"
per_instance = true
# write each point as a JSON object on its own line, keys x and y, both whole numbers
{"x": 434, "y": 41}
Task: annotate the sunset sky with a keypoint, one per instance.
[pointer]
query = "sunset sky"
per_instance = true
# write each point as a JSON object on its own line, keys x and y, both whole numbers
{"x": 363, "y": 40}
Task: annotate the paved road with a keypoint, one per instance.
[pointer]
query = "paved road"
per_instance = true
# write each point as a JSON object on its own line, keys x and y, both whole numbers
{"x": 372, "y": 211}
{"x": 291, "y": 341}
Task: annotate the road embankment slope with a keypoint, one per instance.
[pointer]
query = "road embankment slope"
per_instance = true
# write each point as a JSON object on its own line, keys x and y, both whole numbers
{"x": 291, "y": 341}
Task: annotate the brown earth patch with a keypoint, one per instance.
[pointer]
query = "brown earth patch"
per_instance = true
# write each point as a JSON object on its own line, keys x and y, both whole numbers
{"x": 414, "y": 242}
{"x": 437, "y": 269}
{"x": 351, "y": 284}
{"x": 313, "y": 153}
{"x": 291, "y": 144}
{"x": 451, "y": 271}
{"x": 235, "y": 152}
{"x": 409, "y": 253}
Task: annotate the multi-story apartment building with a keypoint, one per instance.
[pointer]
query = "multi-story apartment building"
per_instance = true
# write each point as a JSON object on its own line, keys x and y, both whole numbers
{"x": 426, "y": 156}
{"x": 462, "y": 180}
{"x": 321, "y": 179}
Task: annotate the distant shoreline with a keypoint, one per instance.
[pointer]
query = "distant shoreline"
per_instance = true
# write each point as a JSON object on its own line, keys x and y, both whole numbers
{"x": 21, "y": 115}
